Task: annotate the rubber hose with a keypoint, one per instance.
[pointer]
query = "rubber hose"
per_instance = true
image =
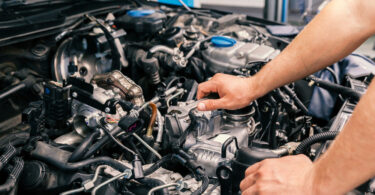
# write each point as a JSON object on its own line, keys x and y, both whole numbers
{"x": 157, "y": 165}
{"x": 204, "y": 186}
{"x": 14, "y": 139}
{"x": 95, "y": 147}
{"x": 302, "y": 147}
{"x": 345, "y": 91}
{"x": 83, "y": 147}
{"x": 152, "y": 120}
{"x": 82, "y": 164}
{"x": 294, "y": 96}
{"x": 196, "y": 70}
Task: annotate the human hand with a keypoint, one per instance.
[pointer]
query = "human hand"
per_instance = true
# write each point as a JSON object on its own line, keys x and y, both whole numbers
{"x": 235, "y": 92}
{"x": 287, "y": 175}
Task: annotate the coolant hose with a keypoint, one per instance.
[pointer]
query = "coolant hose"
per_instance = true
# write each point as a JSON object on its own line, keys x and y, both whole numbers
{"x": 58, "y": 158}
{"x": 15, "y": 139}
{"x": 152, "y": 120}
{"x": 95, "y": 147}
{"x": 345, "y": 91}
{"x": 302, "y": 147}
{"x": 83, "y": 147}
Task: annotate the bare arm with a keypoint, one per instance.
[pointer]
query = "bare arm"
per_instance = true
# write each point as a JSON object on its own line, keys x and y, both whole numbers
{"x": 333, "y": 34}
{"x": 340, "y": 28}
{"x": 348, "y": 162}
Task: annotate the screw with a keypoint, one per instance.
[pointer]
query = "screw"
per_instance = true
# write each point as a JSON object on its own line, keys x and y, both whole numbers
{"x": 107, "y": 110}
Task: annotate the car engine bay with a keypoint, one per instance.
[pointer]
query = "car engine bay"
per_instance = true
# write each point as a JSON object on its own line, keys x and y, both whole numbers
{"x": 100, "y": 97}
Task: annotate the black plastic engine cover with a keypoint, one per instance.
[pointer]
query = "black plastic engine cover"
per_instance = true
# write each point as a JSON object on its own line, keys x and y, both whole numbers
{"x": 142, "y": 21}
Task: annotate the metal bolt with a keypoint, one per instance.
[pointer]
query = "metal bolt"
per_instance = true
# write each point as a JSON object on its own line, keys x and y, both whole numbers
{"x": 74, "y": 94}
{"x": 107, "y": 110}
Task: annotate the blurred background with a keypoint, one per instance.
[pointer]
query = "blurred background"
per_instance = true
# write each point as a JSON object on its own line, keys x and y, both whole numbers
{"x": 293, "y": 12}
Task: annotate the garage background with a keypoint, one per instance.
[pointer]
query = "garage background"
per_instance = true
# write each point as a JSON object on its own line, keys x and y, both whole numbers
{"x": 294, "y": 12}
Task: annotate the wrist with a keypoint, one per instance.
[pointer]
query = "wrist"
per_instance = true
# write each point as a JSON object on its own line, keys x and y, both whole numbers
{"x": 316, "y": 183}
{"x": 312, "y": 183}
{"x": 254, "y": 89}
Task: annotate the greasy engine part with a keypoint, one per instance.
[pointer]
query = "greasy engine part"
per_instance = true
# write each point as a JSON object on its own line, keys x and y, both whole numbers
{"x": 69, "y": 61}
{"x": 108, "y": 125}
{"x": 213, "y": 137}
{"x": 128, "y": 90}
{"x": 86, "y": 56}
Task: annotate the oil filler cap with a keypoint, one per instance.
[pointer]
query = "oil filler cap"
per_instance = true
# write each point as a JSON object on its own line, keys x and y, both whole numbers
{"x": 221, "y": 41}
{"x": 140, "y": 13}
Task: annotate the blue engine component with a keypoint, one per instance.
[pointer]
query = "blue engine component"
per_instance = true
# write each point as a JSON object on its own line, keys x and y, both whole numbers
{"x": 221, "y": 41}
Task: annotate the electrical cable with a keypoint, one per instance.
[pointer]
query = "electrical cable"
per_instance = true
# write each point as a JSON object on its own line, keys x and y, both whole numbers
{"x": 117, "y": 141}
{"x": 320, "y": 137}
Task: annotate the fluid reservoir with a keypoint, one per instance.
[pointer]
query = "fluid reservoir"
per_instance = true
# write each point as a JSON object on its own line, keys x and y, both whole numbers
{"x": 225, "y": 54}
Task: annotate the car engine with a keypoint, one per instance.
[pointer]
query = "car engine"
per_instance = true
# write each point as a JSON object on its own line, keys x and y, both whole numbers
{"x": 100, "y": 97}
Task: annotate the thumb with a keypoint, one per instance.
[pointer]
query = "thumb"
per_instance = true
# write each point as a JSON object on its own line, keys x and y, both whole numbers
{"x": 212, "y": 104}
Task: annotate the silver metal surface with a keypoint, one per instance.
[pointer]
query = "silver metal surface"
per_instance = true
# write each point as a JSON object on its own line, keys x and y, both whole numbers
{"x": 87, "y": 65}
{"x": 206, "y": 144}
{"x": 225, "y": 59}
{"x": 71, "y": 138}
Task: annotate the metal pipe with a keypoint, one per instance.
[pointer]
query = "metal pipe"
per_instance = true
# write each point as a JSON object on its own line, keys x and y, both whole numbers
{"x": 159, "y": 137}
{"x": 93, "y": 180}
{"x": 162, "y": 48}
{"x": 11, "y": 90}
{"x": 161, "y": 187}
{"x": 157, "y": 98}
{"x": 127, "y": 174}
{"x": 180, "y": 92}
{"x": 81, "y": 189}
{"x": 146, "y": 145}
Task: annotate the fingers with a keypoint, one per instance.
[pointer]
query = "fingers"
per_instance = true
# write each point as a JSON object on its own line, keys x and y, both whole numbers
{"x": 211, "y": 104}
{"x": 206, "y": 88}
{"x": 250, "y": 176}
{"x": 253, "y": 190}
{"x": 248, "y": 182}
{"x": 252, "y": 169}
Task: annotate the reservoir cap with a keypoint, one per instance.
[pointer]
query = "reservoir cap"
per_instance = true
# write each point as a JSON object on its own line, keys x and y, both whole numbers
{"x": 140, "y": 13}
{"x": 222, "y": 41}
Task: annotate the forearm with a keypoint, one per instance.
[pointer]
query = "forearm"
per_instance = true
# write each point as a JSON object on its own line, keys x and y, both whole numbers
{"x": 330, "y": 36}
{"x": 349, "y": 161}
